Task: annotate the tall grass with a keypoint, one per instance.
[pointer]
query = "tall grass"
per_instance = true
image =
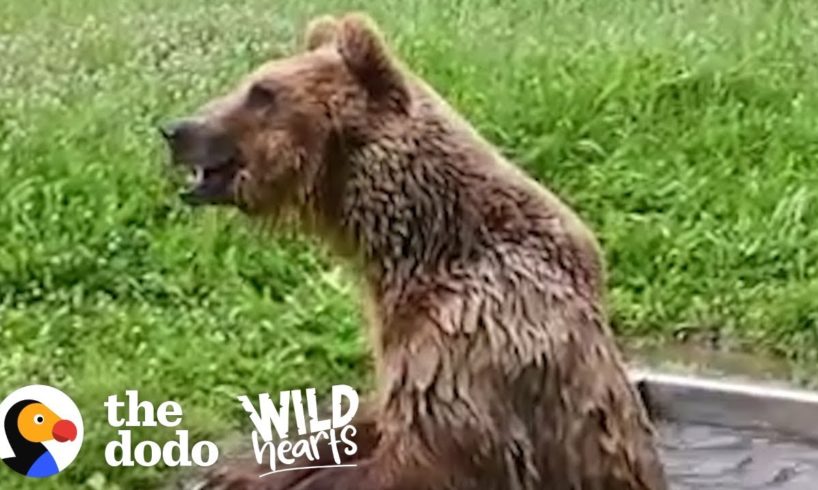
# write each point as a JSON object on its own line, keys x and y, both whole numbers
{"x": 683, "y": 131}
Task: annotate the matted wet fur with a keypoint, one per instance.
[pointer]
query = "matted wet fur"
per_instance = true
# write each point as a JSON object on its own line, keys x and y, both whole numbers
{"x": 496, "y": 367}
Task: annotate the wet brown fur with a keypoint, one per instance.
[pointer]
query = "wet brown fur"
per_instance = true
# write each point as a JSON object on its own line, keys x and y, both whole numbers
{"x": 496, "y": 365}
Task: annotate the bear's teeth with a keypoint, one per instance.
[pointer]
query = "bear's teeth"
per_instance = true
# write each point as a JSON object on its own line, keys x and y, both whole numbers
{"x": 197, "y": 177}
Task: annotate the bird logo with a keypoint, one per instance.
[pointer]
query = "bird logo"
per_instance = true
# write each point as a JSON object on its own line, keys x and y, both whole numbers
{"x": 41, "y": 431}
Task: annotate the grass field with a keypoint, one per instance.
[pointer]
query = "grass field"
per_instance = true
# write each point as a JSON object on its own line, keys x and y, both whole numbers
{"x": 683, "y": 131}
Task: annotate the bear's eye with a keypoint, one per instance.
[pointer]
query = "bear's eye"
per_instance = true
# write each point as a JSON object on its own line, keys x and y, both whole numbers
{"x": 39, "y": 419}
{"x": 261, "y": 95}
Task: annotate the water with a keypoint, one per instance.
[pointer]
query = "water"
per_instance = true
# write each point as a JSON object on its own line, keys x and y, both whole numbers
{"x": 702, "y": 457}
{"x": 707, "y": 457}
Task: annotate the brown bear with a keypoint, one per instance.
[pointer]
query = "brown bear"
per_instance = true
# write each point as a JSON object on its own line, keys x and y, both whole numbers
{"x": 496, "y": 367}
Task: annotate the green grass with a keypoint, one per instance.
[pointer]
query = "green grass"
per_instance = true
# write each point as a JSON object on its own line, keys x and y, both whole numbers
{"x": 683, "y": 131}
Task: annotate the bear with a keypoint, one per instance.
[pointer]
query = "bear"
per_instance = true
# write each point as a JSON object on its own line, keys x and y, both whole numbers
{"x": 495, "y": 363}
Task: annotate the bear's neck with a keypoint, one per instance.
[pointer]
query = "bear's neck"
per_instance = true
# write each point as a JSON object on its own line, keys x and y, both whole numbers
{"x": 405, "y": 213}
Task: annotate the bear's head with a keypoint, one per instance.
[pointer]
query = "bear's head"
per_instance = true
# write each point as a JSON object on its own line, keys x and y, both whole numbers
{"x": 272, "y": 143}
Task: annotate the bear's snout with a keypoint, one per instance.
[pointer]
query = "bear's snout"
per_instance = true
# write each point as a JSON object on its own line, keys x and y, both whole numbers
{"x": 210, "y": 156}
{"x": 188, "y": 140}
{"x": 173, "y": 129}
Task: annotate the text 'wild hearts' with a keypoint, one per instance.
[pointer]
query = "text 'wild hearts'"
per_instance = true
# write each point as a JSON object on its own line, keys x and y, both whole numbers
{"x": 315, "y": 435}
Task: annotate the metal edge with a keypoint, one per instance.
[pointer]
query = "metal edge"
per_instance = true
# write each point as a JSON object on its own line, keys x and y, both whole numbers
{"x": 739, "y": 405}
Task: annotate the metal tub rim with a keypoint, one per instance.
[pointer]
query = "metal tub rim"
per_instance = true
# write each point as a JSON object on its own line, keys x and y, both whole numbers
{"x": 740, "y": 405}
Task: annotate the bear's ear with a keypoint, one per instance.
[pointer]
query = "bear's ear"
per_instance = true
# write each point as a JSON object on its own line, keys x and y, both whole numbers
{"x": 320, "y": 32}
{"x": 369, "y": 60}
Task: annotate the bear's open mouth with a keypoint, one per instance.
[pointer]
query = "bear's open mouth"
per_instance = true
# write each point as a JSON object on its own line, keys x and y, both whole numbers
{"x": 213, "y": 184}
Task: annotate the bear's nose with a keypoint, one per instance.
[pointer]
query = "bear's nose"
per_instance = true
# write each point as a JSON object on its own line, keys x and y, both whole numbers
{"x": 168, "y": 130}
{"x": 174, "y": 130}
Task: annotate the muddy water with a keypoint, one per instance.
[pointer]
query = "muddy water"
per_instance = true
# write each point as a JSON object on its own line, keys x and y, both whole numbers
{"x": 703, "y": 457}
{"x": 700, "y": 457}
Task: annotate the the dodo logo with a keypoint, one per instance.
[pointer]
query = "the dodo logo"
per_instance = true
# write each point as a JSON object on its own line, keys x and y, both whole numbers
{"x": 41, "y": 431}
